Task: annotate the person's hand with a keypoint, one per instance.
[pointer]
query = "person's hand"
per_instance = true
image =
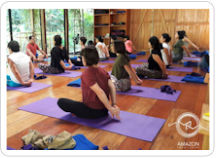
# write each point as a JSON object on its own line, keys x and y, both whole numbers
{"x": 165, "y": 75}
{"x": 34, "y": 58}
{"x": 70, "y": 66}
{"x": 139, "y": 82}
{"x": 28, "y": 83}
{"x": 115, "y": 111}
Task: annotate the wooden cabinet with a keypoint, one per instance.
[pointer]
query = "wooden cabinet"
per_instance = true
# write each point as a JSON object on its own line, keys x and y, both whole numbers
{"x": 109, "y": 22}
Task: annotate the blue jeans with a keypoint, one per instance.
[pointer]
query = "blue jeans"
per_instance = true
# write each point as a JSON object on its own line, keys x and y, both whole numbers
{"x": 12, "y": 83}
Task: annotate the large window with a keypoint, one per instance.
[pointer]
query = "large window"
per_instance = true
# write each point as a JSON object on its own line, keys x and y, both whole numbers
{"x": 24, "y": 25}
{"x": 21, "y": 26}
{"x": 54, "y": 26}
{"x": 81, "y": 21}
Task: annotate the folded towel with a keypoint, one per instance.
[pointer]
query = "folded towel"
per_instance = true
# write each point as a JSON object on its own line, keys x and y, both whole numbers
{"x": 76, "y": 83}
{"x": 141, "y": 53}
{"x": 132, "y": 56}
{"x": 190, "y": 64}
{"x": 193, "y": 79}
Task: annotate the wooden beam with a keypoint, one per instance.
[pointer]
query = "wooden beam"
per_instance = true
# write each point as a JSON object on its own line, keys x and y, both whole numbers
{"x": 152, "y": 31}
{"x": 43, "y": 29}
{"x": 10, "y": 24}
{"x": 66, "y": 30}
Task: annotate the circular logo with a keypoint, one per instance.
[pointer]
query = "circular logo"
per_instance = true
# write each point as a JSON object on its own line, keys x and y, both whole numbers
{"x": 187, "y": 125}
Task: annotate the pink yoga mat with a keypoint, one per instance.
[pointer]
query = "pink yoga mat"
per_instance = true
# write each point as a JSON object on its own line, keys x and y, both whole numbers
{"x": 172, "y": 68}
{"x": 34, "y": 87}
{"x": 133, "y": 125}
{"x": 64, "y": 74}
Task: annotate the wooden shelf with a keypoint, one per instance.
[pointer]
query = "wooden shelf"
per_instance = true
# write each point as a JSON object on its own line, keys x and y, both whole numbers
{"x": 118, "y": 14}
{"x": 118, "y": 25}
{"x": 110, "y": 18}
{"x": 101, "y": 14}
{"x": 101, "y": 26}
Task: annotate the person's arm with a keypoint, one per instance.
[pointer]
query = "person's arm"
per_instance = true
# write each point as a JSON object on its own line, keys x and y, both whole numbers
{"x": 114, "y": 110}
{"x": 191, "y": 43}
{"x": 31, "y": 54}
{"x": 17, "y": 74}
{"x": 107, "y": 52}
{"x": 160, "y": 63}
{"x": 31, "y": 70}
{"x": 65, "y": 67}
{"x": 132, "y": 74}
{"x": 186, "y": 50}
{"x": 42, "y": 52}
{"x": 112, "y": 91}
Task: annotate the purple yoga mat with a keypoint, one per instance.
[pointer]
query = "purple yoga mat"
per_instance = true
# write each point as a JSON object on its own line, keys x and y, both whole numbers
{"x": 148, "y": 92}
{"x": 133, "y": 125}
{"x": 65, "y": 74}
{"x": 180, "y": 69}
{"x": 9, "y": 148}
{"x": 173, "y": 68}
{"x": 192, "y": 59}
{"x": 171, "y": 78}
{"x": 142, "y": 60}
{"x": 108, "y": 61}
{"x": 34, "y": 87}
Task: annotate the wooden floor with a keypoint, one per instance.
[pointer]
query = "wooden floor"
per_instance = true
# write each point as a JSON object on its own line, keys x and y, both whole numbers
{"x": 191, "y": 100}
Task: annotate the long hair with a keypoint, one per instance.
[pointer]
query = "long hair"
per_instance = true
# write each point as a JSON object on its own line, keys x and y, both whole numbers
{"x": 156, "y": 45}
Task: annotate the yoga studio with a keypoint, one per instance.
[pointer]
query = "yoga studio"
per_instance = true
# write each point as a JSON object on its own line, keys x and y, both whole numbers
{"x": 107, "y": 79}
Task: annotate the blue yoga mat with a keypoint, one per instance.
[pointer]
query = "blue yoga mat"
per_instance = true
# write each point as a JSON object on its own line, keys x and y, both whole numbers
{"x": 82, "y": 143}
{"x": 76, "y": 83}
{"x": 133, "y": 125}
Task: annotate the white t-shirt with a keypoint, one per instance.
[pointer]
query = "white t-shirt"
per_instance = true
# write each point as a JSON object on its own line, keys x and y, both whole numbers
{"x": 100, "y": 52}
{"x": 21, "y": 61}
{"x": 164, "y": 56}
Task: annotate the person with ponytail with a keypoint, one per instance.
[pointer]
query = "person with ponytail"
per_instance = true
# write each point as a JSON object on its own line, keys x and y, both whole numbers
{"x": 166, "y": 52}
{"x": 58, "y": 55}
{"x": 179, "y": 47}
{"x": 155, "y": 68}
{"x": 122, "y": 70}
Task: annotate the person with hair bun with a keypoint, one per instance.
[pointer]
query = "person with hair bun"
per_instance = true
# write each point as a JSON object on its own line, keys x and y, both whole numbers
{"x": 98, "y": 91}
{"x": 179, "y": 47}
{"x": 58, "y": 56}
{"x": 166, "y": 52}
{"x": 188, "y": 41}
{"x": 155, "y": 68}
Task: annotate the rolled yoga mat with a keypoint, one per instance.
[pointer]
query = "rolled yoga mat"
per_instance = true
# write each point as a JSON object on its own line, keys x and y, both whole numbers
{"x": 132, "y": 125}
{"x": 64, "y": 74}
{"x": 172, "y": 68}
{"x": 34, "y": 87}
{"x": 154, "y": 93}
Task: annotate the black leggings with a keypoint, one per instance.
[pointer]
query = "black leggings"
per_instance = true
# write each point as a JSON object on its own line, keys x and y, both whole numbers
{"x": 80, "y": 109}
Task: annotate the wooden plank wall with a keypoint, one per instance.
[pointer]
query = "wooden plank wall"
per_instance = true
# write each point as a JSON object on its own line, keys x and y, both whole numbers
{"x": 147, "y": 22}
